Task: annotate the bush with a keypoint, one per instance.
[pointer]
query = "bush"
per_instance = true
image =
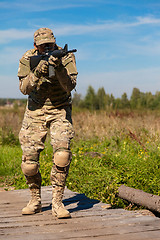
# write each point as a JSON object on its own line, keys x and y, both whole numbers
{"x": 7, "y": 137}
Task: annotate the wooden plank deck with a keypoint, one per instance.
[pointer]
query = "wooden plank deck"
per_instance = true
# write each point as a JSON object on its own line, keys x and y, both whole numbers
{"x": 90, "y": 220}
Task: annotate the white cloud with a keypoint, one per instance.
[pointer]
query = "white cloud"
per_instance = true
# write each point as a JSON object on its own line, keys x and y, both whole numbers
{"x": 41, "y": 6}
{"x": 48, "y": 5}
{"x": 151, "y": 48}
{"x": 9, "y": 35}
{"x": 148, "y": 20}
{"x": 104, "y": 26}
{"x": 11, "y": 55}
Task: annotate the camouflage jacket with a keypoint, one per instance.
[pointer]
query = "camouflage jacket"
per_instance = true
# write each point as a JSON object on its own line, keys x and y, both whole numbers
{"x": 43, "y": 90}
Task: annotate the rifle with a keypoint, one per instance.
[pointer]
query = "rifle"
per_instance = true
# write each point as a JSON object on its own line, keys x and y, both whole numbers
{"x": 59, "y": 53}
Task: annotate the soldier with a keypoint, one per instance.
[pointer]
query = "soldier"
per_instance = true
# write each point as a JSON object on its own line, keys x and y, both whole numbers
{"x": 48, "y": 107}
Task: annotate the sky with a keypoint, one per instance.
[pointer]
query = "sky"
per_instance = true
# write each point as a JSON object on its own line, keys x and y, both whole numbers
{"x": 117, "y": 41}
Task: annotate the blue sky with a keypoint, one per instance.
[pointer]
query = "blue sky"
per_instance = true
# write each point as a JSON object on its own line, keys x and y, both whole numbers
{"x": 117, "y": 41}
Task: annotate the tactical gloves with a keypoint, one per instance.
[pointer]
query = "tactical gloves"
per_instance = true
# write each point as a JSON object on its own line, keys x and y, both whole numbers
{"x": 41, "y": 69}
{"x": 55, "y": 62}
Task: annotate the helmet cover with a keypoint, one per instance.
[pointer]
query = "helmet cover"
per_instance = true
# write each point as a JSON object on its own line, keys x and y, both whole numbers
{"x": 43, "y": 35}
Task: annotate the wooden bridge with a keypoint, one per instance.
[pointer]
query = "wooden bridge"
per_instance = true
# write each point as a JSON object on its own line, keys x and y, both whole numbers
{"x": 91, "y": 219}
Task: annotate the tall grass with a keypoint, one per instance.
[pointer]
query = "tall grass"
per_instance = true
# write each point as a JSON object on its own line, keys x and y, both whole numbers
{"x": 143, "y": 126}
{"x": 109, "y": 149}
{"x": 10, "y": 124}
{"x": 100, "y": 124}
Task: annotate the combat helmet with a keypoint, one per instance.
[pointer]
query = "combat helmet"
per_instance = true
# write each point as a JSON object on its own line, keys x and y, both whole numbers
{"x": 43, "y": 35}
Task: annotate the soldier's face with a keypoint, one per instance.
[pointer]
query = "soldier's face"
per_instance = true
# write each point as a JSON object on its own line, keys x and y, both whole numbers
{"x": 44, "y": 47}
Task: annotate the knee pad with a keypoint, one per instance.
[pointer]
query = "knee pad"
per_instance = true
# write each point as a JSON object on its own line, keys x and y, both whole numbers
{"x": 29, "y": 168}
{"x": 62, "y": 158}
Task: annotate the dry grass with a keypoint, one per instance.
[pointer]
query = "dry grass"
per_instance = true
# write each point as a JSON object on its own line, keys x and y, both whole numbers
{"x": 87, "y": 125}
{"x": 102, "y": 124}
{"x": 11, "y": 119}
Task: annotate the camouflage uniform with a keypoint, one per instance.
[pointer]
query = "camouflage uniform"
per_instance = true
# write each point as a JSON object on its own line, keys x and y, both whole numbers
{"x": 48, "y": 107}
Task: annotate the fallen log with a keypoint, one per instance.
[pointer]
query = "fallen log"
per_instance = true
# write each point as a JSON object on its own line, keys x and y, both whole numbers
{"x": 139, "y": 197}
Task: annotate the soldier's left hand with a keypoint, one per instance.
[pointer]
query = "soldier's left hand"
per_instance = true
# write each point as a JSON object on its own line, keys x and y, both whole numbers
{"x": 55, "y": 62}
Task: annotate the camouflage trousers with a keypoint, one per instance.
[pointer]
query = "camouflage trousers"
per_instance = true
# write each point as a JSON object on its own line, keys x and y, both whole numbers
{"x": 35, "y": 126}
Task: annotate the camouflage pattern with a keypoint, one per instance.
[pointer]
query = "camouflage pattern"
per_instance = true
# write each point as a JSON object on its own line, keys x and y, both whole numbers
{"x": 58, "y": 180}
{"x": 34, "y": 181}
{"x": 41, "y": 69}
{"x": 44, "y": 90}
{"x": 48, "y": 107}
{"x": 34, "y": 205}
{"x": 35, "y": 126}
{"x": 43, "y": 35}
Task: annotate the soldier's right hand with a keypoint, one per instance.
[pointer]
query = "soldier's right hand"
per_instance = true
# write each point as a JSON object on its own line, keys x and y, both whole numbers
{"x": 41, "y": 69}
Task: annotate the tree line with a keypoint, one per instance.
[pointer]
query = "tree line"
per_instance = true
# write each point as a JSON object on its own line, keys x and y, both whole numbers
{"x": 101, "y": 100}
{"x": 12, "y": 102}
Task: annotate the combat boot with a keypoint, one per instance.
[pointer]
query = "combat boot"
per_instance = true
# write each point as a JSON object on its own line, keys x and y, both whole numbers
{"x": 58, "y": 209}
{"x": 34, "y": 205}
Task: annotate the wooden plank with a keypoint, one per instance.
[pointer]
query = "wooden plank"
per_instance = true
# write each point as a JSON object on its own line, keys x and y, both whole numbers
{"x": 90, "y": 219}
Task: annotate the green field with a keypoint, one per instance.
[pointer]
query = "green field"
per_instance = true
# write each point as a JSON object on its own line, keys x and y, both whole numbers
{"x": 109, "y": 149}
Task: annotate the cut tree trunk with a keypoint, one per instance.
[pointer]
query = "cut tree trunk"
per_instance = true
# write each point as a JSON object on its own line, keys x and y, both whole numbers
{"x": 150, "y": 201}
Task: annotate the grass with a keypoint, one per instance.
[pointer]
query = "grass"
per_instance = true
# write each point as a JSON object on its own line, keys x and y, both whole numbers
{"x": 109, "y": 149}
{"x": 113, "y": 163}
